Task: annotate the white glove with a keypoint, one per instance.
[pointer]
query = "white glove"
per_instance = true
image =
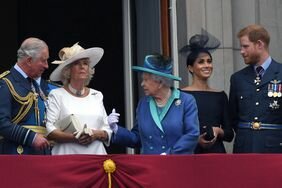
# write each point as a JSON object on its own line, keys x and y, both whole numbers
{"x": 113, "y": 119}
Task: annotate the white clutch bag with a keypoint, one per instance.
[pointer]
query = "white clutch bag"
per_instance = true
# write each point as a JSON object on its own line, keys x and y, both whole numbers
{"x": 71, "y": 124}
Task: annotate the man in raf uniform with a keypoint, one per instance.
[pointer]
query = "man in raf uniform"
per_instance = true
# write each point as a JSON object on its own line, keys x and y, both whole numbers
{"x": 256, "y": 96}
{"x": 23, "y": 101}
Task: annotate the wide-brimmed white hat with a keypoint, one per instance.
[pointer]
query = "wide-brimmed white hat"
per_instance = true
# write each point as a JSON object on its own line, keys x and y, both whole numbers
{"x": 69, "y": 55}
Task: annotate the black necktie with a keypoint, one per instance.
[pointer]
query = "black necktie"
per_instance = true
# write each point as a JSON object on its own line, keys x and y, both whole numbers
{"x": 259, "y": 71}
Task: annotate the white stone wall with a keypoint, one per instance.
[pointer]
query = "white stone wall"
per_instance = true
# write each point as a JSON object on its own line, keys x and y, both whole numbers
{"x": 265, "y": 12}
{"x": 215, "y": 17}
{"x": 223, "y": 19}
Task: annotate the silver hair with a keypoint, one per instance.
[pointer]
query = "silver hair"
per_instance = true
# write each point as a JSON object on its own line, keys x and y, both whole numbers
{"x": 167, "y": 82}
{"x": 66, "y": 75}
{"x": 31, "y": 47}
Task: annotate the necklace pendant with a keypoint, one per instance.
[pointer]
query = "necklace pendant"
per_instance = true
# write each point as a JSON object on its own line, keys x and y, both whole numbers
{"x": 76, "y": 92}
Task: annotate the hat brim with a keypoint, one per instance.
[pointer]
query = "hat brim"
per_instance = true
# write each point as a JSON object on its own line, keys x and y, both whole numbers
{"x": 143, "y": 69}
{"x": 94, "y": 54}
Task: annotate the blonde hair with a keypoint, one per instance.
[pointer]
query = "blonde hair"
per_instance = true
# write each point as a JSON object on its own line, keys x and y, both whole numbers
{"x": 66, "y": 75}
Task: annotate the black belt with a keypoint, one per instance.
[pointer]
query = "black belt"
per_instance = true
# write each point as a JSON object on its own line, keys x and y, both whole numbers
{"x": 259, "y": 125}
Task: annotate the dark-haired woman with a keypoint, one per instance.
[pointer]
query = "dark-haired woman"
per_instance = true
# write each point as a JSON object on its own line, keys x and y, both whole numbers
{"x": 215, "y": 125}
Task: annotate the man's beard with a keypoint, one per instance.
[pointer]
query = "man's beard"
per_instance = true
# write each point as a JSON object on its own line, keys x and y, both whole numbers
{"x": 253, "y": 59}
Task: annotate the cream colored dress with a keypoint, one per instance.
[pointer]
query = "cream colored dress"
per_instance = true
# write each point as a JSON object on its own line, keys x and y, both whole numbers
{"x": 89, "y": 110}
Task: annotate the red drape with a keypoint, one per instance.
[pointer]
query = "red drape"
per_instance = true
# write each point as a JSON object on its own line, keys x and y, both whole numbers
{"x": 146, "y": 171}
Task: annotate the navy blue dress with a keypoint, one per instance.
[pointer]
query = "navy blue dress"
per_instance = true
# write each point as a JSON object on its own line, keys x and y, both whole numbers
{"x": 213, "y": 111}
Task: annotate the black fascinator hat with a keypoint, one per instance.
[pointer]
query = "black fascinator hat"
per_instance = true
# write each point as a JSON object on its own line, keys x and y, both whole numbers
{"x": 199, "y": 43}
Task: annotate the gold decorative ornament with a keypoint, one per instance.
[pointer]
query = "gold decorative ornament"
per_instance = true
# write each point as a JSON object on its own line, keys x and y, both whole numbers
{"x": 256, "y": 125}
{"x": 20, "y": 149}
{"x": 109, "y": 167}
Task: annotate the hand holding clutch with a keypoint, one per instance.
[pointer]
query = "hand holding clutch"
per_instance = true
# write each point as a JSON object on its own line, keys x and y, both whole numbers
{"x": 210, "y": 134}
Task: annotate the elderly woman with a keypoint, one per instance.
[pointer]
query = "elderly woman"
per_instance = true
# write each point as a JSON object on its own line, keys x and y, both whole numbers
{"x": 83, "y": 106}
{"x": 166, "y": 118}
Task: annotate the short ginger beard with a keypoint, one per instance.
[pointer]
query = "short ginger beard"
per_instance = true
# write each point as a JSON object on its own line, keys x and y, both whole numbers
{"x": 253, "y": 59}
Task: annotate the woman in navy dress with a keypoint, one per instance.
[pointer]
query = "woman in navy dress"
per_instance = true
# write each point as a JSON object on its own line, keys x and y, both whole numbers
{"x": 215, "y": 125}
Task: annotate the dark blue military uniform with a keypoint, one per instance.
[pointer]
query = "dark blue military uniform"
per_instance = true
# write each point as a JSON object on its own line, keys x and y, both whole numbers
{"x": 22, "y": 113}
{"x": 256, "y": 109}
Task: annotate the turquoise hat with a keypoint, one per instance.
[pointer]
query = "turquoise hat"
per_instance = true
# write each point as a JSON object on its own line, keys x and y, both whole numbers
{"x": 158, "y": 65}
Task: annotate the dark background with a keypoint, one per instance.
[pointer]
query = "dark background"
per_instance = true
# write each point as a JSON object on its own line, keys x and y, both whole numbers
{"x": 61, "y": 23}
{"x": 92, "y": 23}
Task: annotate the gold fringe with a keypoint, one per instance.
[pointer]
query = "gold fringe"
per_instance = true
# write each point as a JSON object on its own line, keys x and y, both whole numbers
{"x": 4, "y": 74}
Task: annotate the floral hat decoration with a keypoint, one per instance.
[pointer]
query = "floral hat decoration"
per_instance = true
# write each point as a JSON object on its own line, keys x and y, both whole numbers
{"x": 71, "y": 54}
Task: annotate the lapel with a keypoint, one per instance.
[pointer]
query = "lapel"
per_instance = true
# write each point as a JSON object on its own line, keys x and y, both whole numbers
{"x": 249, "y": 74}
{"x": 175, "y": 94}
{"x": 19, "y": 79}
{"x": 154, "y": 113}
{"x": 44, "y": 86}
{"x": 271, "y": 73}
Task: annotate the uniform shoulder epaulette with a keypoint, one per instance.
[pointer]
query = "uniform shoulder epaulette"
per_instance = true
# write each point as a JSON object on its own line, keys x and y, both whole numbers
{"x": 4, "y": 74}
{"x": 54, "y": 83}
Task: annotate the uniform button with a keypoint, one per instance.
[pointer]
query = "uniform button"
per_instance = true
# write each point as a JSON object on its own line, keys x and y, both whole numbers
{"x": 258, "y": 89}
{"x": 163, "y": 147}
{"x": 257, "y": 103}
{"x": 151, "y": 148}
{"x": 150, "y": 137}
{"x": 256, "y": 118}
{"x": 241, "y": 97}
{"x": 162, "y": 136}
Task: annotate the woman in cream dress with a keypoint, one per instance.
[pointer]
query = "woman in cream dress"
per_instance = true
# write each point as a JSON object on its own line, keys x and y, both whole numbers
{"x": 75, "y": 70}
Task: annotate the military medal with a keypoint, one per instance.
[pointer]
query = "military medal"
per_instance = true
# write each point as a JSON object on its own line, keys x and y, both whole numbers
{"x": 270, "y": 93}
{"x": 274, "y": 105}
{"x": 270, "y": 90}
{"x": 274, "y": 90}
{"x": 257, "y": 80}
{"x": 275, "y": 85}
{"x": 275, "y": 93}
{"x": 279, "y": 90}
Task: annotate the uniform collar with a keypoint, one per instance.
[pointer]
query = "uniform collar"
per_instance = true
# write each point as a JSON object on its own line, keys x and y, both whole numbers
{"x": 20, "y": 70}
{"x": 265, "y": 64}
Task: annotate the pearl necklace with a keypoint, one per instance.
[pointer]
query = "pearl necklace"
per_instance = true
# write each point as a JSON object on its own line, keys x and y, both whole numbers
{"x": 163, "y": 102}
{"x": 76, "y": 92}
